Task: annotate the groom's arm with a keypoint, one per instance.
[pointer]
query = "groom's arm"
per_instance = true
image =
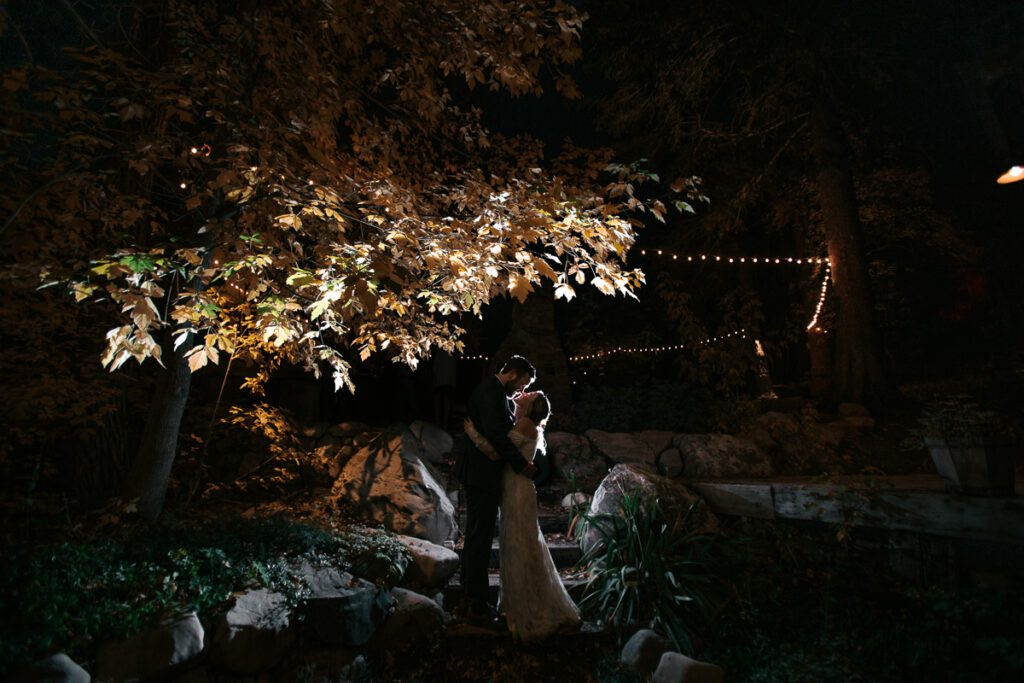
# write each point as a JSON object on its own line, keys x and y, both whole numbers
{"x": 495, "y": 425}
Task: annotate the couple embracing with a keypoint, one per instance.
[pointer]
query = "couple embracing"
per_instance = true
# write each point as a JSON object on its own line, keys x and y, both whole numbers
{"x": 506, "y": 429}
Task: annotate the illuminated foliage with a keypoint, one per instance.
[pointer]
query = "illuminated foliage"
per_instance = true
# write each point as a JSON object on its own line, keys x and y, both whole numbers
{"x": 306, "y": 181}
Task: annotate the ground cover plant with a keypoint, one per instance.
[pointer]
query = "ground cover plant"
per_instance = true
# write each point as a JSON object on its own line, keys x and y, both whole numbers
{"x": 75, "y": 595}
{"x": 813, "y": 607}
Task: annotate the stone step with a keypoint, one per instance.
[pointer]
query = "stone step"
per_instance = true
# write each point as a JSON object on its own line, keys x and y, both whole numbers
{"x": 564, "y": 553}
{"x": 549, "y": 523}
{"x": 465, "y": 631}
{"x": 453, "y": 593}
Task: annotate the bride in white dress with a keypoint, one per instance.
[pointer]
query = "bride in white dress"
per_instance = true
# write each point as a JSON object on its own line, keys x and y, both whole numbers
{"x": 535, "y": 602}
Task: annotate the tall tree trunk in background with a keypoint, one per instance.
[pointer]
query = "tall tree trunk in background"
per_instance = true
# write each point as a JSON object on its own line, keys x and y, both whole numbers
{"x": 151, "y": 468}
{"x": 858, "y": 376}
{"x": 535, "y": 336}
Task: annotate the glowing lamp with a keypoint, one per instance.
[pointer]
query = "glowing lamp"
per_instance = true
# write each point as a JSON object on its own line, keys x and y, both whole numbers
{"x": 1013, "y": 175}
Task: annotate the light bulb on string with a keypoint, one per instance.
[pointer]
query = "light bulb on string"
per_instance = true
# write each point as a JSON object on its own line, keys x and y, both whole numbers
{"x": 724, "y": 258}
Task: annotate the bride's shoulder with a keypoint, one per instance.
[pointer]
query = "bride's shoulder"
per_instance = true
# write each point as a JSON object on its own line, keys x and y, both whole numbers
{"x": 525, "y": 427}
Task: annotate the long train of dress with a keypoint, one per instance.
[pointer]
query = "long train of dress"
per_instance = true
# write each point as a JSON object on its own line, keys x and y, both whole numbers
{"x": 532, "y": 596}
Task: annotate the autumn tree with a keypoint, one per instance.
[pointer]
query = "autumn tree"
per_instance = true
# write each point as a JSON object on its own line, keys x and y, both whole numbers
{"x": 300, "y": 182}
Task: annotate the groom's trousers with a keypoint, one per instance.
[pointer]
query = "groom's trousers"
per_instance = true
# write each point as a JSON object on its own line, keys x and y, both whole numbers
{"x": 481, "y": 514}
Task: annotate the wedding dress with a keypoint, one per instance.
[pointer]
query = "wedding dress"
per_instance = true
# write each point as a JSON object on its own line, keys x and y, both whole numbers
{"x": 535, "y": 602}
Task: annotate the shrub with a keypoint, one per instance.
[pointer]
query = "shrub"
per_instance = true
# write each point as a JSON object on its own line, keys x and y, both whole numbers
{"x": 71, "y": 595}
{"x": 641, "y": 575}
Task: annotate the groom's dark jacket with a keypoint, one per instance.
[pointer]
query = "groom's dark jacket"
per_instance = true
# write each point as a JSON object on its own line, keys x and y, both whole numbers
{"x": 491, "y": 412}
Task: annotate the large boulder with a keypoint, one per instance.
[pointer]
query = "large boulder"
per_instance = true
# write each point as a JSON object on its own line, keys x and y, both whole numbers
{"x": 575, "y": 461}
{"x": 335, "y": 444}
{"x": 387, "y": 482}
{"x": 639, "y": 449}
{"x": 434, "y": 443}
{"x": 416, "y": 621}
{"x": 677, "y": 668}
{"x": 721, "y": 455}
{"x": 643, "y": 651}
{"x": 432, "y": 565}
{"x": 152, "y": 652}
{"x": 341, "y": 609}
{"x": 681, "y": 508}
{"x": 58, "y": 668}
{"x": 254, "y": 634}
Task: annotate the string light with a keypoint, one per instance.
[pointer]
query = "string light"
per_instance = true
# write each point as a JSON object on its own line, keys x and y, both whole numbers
{"x": 739, "y": 334}
{"x": 821, "y": 301}
{"x": 655, "y": 349}
{"x": 719, "y": 258}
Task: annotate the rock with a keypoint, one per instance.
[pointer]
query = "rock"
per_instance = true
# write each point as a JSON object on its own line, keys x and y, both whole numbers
{"x": 364, "y": 439}
{"x": 670, "y": 463}
{"x": 623, "y": 448}
{"x": 254, "y": 634}
{"x": 853, "y": 410}
{"x": 677, "y": 668}
{"x": 721, "y": 455}
{"x": 387, "y": 483}
{"x": 673, "y": 497}
{"x": 57, "y": 668}
{"x": 577, "y": 499}
{"x": 151, "y": 652}
{"x": 860, "y": 423}
{"x": 643, "y": 652}
{"x": 656, "y": 440}
{"x": 435, "y": 443}
{"x": 341, "y": 609}
{"x": 575, "y": 461}
{"x": 780, "y": 427}
{"x": 416, "y": 621}
{"x": 348, "y": 429}
{"x": 432, "y": 565}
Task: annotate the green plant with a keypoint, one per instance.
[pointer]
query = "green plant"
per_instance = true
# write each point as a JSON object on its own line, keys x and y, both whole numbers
{"x": 70, "y": 595}
{"x": 643, "y": 575}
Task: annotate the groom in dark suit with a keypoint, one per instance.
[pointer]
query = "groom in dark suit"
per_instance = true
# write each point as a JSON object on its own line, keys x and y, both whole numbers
{"x": 491, "y": 410}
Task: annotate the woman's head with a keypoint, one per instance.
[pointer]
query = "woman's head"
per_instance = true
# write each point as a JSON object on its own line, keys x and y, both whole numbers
{"x": 539, "y": 409}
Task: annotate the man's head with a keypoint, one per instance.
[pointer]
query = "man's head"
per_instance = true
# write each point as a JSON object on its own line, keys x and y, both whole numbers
{"x": 516, "y": 374}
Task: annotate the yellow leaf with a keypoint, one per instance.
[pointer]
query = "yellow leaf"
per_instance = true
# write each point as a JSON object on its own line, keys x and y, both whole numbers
{"x": 564, "y": 291}
{"x": 658, "y": 209}
{"x": 83, "y": 291}
{"x": 197, "y": 358}
{"x": 520, "y": 287}
{"x": 544, "y": 269}
{"x": 603, "y": 285}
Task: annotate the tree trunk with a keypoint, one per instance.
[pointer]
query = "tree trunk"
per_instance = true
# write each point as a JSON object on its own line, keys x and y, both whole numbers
{"x": 535, "y": 336}
{"x": 151, "y": 469}
{"x": 857, "y": 371}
